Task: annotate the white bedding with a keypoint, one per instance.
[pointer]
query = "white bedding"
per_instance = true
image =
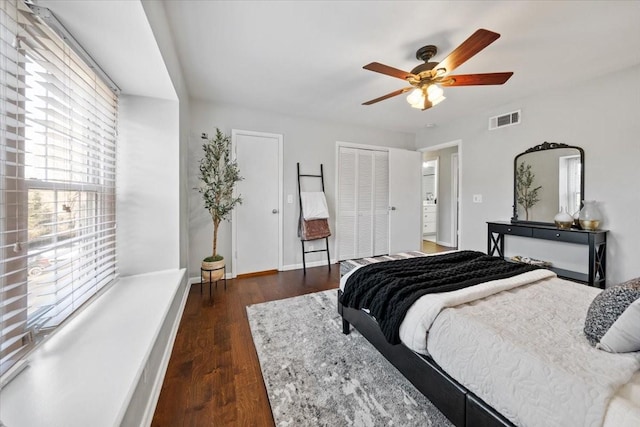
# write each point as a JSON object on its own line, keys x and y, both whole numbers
{"x": 420, "y": 316}
{"x": 532, "y": 371}
{"x": 524, "y": 353}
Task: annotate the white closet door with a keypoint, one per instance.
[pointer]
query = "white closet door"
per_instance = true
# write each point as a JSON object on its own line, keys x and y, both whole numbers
{"x": 365, "y": 190}
{"x": 363, "y": 203}
{"x": 346, "y": 219}
{"x": 404, "y": 199}
{"x": 381, "y": 203}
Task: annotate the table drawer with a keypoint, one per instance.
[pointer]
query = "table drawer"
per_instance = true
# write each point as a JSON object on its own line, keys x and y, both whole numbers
{"x": 511, "y": 229}
{"x": 561, "y": 235}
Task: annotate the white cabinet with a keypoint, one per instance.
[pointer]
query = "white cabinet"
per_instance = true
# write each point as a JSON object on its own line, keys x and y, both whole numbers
{"x": 429, "y": 218}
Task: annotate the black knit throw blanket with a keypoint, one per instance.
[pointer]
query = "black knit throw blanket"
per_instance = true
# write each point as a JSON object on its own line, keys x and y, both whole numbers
{"x": 388, "y": 289}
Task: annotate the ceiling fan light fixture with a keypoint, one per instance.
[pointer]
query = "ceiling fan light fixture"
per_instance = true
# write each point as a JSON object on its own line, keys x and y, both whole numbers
{"x": 438, "y": 100}
{"x": 434, "y": 92}
{"x": 416, "y": 98}
{"x": 440, "y": 72}
{"x": 426, "y": 79}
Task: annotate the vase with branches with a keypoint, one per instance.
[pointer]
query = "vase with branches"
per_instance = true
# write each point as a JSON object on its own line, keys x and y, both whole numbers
{"x": 218, "y": 177}
{"x": 527, "y": 197}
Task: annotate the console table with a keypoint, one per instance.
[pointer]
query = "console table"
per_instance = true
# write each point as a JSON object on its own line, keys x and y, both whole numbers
{"x": 596, "y": 240}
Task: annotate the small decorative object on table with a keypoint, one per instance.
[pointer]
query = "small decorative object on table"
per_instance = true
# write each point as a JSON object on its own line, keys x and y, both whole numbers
{"x": 532, "y": 261}
{"x": 563, "y": 220}
{"x": 576, "y": 219}
{"x": 590, "y": 216}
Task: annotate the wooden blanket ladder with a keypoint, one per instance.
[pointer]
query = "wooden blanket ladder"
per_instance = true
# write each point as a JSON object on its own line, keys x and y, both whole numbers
{"x": 302, "y": 240}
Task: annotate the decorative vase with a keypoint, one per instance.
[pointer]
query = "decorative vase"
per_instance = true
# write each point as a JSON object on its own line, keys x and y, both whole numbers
{"x": 576, "y": 219}
{"x": 212, "y": 270}
{"x": 590, "y": 216}
{"x": 563, "y": 220}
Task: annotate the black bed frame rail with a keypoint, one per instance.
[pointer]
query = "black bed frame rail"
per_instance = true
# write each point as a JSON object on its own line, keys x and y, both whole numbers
{"x": 326, "y": 239}
{"x": 458, "y": 404}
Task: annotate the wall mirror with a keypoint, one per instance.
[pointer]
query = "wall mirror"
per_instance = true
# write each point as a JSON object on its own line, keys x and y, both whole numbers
{"x": 548, "y": 178}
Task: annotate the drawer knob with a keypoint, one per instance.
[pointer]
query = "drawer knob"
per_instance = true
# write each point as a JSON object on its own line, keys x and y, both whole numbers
{"x": 509, "y": 230}
{"x": 557, "y": 234}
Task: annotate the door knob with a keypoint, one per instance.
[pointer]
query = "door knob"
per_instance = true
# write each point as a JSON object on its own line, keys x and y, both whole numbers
{"x": 392, "y": 208}
{"x": 274, "y": 211}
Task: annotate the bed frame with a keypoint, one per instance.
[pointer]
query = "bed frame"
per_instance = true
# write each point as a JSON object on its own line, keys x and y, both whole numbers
{"x": 458, "y": 404}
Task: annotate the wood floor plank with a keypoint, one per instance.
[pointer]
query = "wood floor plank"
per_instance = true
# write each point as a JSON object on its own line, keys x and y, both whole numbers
{"x": 214, "y": 376}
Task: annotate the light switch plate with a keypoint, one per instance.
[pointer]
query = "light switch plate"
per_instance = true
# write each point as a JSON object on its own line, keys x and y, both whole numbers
{"x": 289, "y": 198}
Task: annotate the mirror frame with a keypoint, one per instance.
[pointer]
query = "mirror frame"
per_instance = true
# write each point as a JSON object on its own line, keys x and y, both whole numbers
{"x": 543, "y": 147}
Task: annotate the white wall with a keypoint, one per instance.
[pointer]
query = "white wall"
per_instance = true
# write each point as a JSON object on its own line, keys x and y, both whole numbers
{"x": 162, "y": 32}
{"x": 601, "y": 116}
{"x": 306, "y": 141}
{"x": 147, "y": 185}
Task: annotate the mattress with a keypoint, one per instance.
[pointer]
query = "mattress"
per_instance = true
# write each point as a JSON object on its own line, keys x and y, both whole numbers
{"x": 523, "y": 352}
{"x": 510, "y": 343}
{"x": 349, "y": 265}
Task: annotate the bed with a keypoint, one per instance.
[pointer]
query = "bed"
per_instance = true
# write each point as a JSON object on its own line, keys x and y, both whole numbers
{"x": 501, "y": 352}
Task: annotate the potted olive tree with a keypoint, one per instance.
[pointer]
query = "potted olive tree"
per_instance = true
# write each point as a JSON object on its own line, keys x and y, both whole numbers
{"x": 527, "y": 196}
{"x": 218, "y": 176}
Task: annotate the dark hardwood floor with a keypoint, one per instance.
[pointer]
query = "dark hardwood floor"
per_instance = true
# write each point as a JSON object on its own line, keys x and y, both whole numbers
{"x": 214, "y": 376}
{"x": 430, "y": 247}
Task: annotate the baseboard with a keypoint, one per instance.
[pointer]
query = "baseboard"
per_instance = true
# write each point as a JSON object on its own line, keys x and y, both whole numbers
{"x": 299, "y": 266}
{"x": 447, "y": 244}
{"x": 196, "y": 280}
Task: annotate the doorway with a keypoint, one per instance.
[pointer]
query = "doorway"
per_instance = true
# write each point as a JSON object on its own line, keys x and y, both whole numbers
{"x": 430, "y": 200}
{"x": 440, "y": 201}
{"x": 256, "y": 225}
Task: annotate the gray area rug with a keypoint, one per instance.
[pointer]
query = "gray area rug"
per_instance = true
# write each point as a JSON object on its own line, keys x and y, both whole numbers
{"x": 316, "y": 376}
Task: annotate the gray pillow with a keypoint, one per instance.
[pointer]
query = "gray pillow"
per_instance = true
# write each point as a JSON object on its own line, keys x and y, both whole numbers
{"x": 613, "y": 318}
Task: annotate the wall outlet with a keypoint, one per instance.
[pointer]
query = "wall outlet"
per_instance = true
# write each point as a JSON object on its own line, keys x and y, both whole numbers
{"x": 310, "y": 247}
{"x": 477, "y": 198}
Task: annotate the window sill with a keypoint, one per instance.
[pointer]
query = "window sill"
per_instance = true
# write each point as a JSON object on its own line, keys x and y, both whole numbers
{"x": 105, "y": 366}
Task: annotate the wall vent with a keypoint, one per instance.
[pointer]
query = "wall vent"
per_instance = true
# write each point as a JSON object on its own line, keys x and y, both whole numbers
{"x": 503, "y": 120}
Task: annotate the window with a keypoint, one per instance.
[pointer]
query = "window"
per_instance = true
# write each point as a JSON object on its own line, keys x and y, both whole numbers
{"x": 57, "y": 182}
{"x": 569, "y": 184}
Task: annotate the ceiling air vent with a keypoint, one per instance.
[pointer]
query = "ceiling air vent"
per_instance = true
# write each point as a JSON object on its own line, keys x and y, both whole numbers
{"x": 508, "y": 119}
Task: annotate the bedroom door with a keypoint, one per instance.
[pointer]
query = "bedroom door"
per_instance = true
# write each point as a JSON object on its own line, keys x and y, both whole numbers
{"x": 256, "y": 231}
{"x": 405, "y": 203}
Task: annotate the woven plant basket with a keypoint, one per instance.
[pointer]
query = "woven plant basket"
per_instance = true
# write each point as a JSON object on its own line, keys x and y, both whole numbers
{"x": 212, "y": 265}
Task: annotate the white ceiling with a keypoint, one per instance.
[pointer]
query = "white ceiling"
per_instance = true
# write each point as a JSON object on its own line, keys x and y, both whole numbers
{"x": 118, "y": 37}
{"x": 305, "y": 58}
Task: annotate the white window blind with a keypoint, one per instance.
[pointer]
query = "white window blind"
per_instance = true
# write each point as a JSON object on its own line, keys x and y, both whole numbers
{"x": 57, "y": 185}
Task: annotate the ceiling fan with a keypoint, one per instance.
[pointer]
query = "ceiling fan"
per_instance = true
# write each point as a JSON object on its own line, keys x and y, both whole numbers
{"x": 426, "y": 79}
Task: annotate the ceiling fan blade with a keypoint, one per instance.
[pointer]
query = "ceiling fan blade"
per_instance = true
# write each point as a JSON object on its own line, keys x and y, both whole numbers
{"x": 389, "y": 95}
{"x": 474, "y": 44}
{"x": 387, "y": 70}
{"x": 476, "y": 79}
